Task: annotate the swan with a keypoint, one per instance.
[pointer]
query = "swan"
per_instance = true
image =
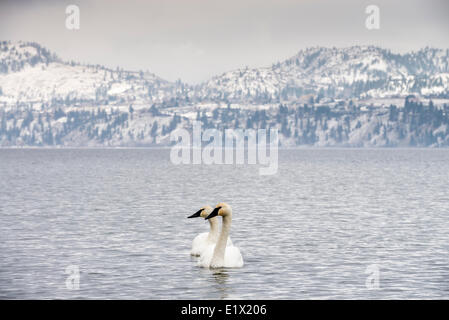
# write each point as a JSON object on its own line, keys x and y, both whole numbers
{"x": 220, "y": 255}
{"x": 205, "y": 239}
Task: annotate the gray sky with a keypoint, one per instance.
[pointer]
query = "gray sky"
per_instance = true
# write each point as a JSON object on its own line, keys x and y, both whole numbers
{"x": 195, "y": 39}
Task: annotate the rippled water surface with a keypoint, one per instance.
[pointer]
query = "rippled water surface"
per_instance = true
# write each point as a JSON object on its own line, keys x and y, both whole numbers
{"x": 310, "y": 231}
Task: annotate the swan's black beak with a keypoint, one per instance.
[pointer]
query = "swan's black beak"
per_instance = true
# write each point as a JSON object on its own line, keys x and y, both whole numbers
{"x": 213, "y": 213}
{"x": 196, "y": 214}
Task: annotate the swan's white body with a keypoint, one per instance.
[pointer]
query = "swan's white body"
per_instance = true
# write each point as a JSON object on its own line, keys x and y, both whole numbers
{"x": 199, "y": 244}
{"x": 222, "y": 255}
{"x": 232, "y": 258}
{"x": 203, "y": 241}
{"x": 206, "y": 239}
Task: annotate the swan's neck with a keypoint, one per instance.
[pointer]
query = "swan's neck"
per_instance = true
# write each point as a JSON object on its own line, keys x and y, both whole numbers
{"x": 220, "y": 248}
{"x": 213, "y": 233}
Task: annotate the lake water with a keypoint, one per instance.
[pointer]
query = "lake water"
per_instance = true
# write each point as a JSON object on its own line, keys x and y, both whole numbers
{"x": 316, "y": 229}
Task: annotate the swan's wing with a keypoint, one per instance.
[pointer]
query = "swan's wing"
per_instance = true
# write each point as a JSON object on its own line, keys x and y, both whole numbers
{"x": 233, "y": 258}
{"x": 206, "y": 256}
{"x": 199, "y": 243}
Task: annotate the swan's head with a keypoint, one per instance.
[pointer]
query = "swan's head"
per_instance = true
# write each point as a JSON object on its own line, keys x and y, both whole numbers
{"x": 203, "y": 212}
{"x": 222, "y": 209}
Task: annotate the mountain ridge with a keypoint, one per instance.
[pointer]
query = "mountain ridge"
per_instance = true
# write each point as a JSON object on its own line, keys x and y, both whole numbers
{"x": 361, "y": 96}
{"x": 337, "y": 73}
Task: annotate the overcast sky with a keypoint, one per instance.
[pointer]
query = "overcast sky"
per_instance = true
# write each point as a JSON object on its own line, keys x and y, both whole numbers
{"x": 195, "y": 39}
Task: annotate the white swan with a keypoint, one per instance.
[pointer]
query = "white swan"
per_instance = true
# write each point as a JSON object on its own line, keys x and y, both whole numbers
{"x": 221, "y": 256}
{"x": 205, "y": 239}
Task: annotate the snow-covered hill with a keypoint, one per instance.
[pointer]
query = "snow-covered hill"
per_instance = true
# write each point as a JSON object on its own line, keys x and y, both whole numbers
{"x": 30, "y": 74}
{"x": 320, "y": 97}
{"x": 355, "y": 72}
